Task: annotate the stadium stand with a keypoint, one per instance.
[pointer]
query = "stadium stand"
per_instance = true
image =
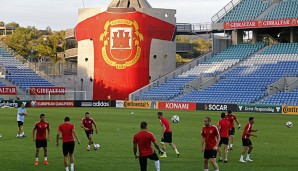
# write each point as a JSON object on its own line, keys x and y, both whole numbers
{"x": 19, "y": 74}
{"x": 248, "y": 82}
{"x": 211, "y": 67}
{"x": 284, "y": 10}
{"x": 246, "y": 10}
{"x": 2, "y": 84}
{"x": 282, "y": 98}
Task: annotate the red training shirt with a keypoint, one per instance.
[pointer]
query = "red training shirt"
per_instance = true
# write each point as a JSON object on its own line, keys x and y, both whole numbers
{"x": 224, "y": 127}
{"x": 66, "y": 130}
{"x": 164, "y": 121}
{"x": 144, "y": 139}
{"x": 231, "y": 118}
{"x": 88, "y": 123}
{"x": 210, "y": 134}
{"x": 248, "y": 128}
{"x": 41, "y": 128}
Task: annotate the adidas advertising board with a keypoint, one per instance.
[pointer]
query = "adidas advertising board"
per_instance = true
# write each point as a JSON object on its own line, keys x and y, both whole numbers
{"x": 95, "y": 103}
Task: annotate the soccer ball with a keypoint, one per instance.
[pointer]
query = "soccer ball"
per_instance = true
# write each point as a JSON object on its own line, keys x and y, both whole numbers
{"x": 289, "y": 124}
{"x": 0, "y": 135}
{"x": 96, "y": 146}
{"x": 175, "y": 119}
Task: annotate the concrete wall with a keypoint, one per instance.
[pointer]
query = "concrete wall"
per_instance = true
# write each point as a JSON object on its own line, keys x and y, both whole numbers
{"x": 162, "y": 53}
{"x": 237, "y": 37}
{"x": 221, "y": 44}
{"x": 86, "y": 56}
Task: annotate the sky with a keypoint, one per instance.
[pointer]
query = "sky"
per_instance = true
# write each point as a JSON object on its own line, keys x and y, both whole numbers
{"x": 63, "y": 14}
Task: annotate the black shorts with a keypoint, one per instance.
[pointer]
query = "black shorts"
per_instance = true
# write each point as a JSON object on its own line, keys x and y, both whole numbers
{"x": 41, "y": 143}
{"x": 89, "y": 132}
{"x": 210, "y": 154}
{"x": 143, "y": 160}
{"x": 68, "y": 148}
{"x": 20, "y": 123}
{"x": 224, "y": 140}
{"x": 232, "y": 131}
{"x": 246, "y": 142}
{"x": 167, "y": 137}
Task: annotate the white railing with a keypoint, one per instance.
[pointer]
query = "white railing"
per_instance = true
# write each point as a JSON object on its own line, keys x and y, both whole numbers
{"x": 225, "y": 10}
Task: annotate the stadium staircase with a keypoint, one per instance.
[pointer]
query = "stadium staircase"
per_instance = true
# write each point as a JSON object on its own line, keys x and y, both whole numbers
{"x": 244, "y": 10}
{"x": 207, "y": 70}
{"x": 249, "y": 82}
{"x": 20, "y": 73}
{"x": 283, "y": 10}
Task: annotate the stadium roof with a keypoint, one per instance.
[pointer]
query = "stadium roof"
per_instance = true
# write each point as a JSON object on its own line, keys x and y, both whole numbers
{"x": 130, "y": 3}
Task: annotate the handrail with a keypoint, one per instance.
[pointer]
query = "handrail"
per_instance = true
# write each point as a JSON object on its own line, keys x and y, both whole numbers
{"x": 226, "y": 9}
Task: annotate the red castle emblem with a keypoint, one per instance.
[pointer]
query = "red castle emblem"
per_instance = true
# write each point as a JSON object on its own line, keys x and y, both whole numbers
{"x": 121, "y": 43}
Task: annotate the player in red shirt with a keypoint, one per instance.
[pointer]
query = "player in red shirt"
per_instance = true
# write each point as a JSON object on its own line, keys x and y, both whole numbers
{"x": 223, "y": 128}
{"x": 166, "y": 134}
{"x": 143, "y": 140}
{"x": 68, "y": 131}
{"x": 231, "y": 117}
{"x": 86, "y": 124}
{"x": 41, "y": 128}
{"x": 210, "y": 141}
{"x": 247, "y": 132}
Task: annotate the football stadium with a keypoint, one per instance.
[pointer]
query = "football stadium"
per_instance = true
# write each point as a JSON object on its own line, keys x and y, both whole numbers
{"x": 119, "y": 65}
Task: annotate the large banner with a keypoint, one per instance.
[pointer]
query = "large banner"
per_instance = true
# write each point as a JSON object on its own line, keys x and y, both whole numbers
{"x": 46, "y": 90}
{"x": 260, "y": 108}
{"x": 8, "y": 90}
{"x": 216, "y": 106}
{"x": 177, "y": 105}
{"x": 95, "y": 103}
{"x": 140, "y": 104}
{"x": 52, "y": 103}
{"x": 121, "y": 41}
{"x": 289, "y": 109}
{"x": 261, "y": 24}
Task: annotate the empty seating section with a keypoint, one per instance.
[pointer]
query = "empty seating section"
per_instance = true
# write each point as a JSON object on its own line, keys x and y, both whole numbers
{"x": 284, "y": 10}
{"x": 246, "y": 10}
{"x": 2, "y": 84}
{"x": 248, "y": 82}
{"x": 211, "y": 67}
{"x": 283, "y": 98}
{"x": 225, "y": 59}
{"x": 168, "y": 90}
{"x": 19, "y": 74}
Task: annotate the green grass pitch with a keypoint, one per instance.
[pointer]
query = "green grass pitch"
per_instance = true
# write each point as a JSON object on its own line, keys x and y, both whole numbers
{"x": 275, "y": 148}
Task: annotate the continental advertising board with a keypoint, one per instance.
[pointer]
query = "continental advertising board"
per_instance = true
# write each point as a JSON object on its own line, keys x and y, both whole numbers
{"x": 260, "y": 108}
{"x": 289, "y": 109}
{"x": 140, "y": 104}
